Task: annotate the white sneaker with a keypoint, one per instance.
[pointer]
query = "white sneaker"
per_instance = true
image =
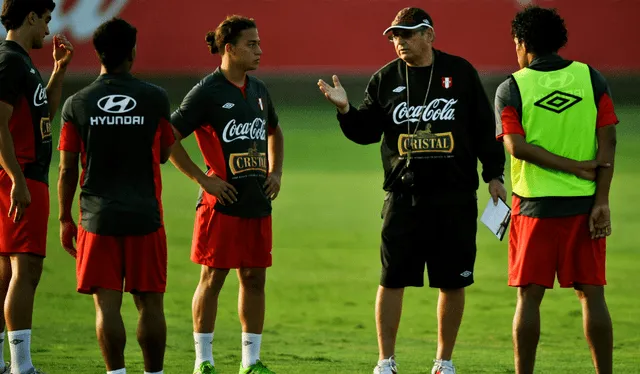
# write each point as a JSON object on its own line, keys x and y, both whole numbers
{"x": 387, "y": 366}
{"x": 443, "y": 367}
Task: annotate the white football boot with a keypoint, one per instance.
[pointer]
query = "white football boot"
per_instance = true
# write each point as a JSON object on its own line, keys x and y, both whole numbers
{"x": 441, "y": 367}
{"x": 387, "y": 366}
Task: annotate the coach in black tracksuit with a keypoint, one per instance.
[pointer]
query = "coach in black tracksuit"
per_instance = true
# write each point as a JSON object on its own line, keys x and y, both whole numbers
{"x": 436, "y": 122}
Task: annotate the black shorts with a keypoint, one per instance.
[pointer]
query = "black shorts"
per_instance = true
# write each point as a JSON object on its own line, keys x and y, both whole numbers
{"x": 440, "y": 235}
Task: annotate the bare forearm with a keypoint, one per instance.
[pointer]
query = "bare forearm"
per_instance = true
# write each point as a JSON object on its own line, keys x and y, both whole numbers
{"x": 543, "y": 158}
{"x": 276, "y": 151}
{"x": 8, "y": 159}
{"x": 54, "y": 90}
{"x": 606, "y": 154}
{"x": 67, "y": 184}
{"x": 180, "y": 159}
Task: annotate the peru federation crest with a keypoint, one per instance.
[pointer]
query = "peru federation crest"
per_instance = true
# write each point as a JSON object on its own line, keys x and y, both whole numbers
{"x": 447, "y": 82}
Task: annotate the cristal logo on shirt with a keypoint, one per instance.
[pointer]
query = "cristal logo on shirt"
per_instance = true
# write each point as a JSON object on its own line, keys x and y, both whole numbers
{"x": 255, "y": 130}
{"x": 426, "y": 142}
{"x": 45, "y": 129}
{"x": 436, "y": 110}
{"x": 251, "y": 160}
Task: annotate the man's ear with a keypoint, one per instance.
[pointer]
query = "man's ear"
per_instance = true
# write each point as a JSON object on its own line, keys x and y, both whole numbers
{"x": 32, "y": 17}
{"x": 431, "y": 36}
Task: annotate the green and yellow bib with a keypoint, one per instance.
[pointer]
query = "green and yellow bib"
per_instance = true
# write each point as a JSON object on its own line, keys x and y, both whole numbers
{"x": 558, "y": 114}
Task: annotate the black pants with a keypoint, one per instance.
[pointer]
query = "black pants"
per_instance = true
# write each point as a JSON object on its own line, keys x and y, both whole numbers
{"x": 440, "y": 234}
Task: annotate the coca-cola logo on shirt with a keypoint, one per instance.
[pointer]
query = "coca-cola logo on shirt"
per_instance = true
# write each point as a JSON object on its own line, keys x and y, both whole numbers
{"x": 40, "y": 96}
{"x": 255, "y": 130}
{"x": 82, "y": 17}
{"x": 436, "y": 110}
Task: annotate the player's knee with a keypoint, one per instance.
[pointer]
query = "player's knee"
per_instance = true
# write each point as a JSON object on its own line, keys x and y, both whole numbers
{"x": 150, "y": 303}
{"x": 5, "y": 272}
{"x": 531, "y": 294}
{"x": 452, "y": 291}
{"x": 252, "y": 278}
{"x": 27, "y": 269}
{"x": 588, "y": 293}
{"x": 213, "y": 279}
{"x": 107, "y": 303}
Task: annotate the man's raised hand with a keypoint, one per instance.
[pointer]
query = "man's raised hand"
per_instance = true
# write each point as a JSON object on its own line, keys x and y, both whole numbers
{"x": 336, "y": 95}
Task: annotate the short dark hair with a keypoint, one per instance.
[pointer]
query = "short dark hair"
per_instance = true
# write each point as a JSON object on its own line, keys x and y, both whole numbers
{"x": 542, "y": 30}
{"x": 228, "y": 32}
{"x": 114, "y": 40}
{"x": 15, "y": 11}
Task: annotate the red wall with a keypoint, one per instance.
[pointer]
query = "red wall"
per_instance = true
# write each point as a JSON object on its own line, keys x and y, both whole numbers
{"x": 342, "y": 35}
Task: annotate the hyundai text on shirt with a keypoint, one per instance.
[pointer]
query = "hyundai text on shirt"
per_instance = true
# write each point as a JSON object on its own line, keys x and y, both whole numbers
{"x": 119, "y": 124}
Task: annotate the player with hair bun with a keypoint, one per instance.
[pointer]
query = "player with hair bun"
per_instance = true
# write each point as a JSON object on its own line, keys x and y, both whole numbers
{"x": 236, "y": 126}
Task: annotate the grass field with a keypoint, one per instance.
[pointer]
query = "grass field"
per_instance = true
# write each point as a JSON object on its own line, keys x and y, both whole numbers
{"x": 320, "y": 292}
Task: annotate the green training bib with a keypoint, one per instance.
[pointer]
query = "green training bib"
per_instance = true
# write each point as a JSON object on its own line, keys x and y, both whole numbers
{"x": 558, "y": 114}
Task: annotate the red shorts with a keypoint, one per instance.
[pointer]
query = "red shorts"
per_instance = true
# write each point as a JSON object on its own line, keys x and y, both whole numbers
{"x": 29, "y": 235}
{"x": 108, "y": 261}
{"x": 540, "y": 247}
{"x": 226, "y": 242}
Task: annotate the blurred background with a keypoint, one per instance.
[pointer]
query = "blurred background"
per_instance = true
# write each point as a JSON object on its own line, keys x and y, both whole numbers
{"x": 321, "y": 289}
{"x": 304, "y": 40}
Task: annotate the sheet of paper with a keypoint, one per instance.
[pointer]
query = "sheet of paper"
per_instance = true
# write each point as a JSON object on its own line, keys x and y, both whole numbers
{"x": 496, "y": 217}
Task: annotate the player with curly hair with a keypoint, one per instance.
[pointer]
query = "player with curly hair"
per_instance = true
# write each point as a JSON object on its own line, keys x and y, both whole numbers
{"x": 556, "y": 118}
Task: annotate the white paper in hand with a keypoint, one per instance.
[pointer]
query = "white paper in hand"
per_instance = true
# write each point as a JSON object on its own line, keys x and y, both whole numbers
{"x": 496, "y": 217}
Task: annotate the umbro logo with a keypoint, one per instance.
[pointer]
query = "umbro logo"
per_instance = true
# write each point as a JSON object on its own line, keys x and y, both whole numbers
{"x": 228, "y": 105}
{"x": 16, "y": 341}
{"x": 247, "y": 343}
{"x": 399, "y": 89}
{"x": 558, "y": 101}
{"x": 198, "y": 343}
{"x": 32, "y": 71}
{"x": 466, "y": 274}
